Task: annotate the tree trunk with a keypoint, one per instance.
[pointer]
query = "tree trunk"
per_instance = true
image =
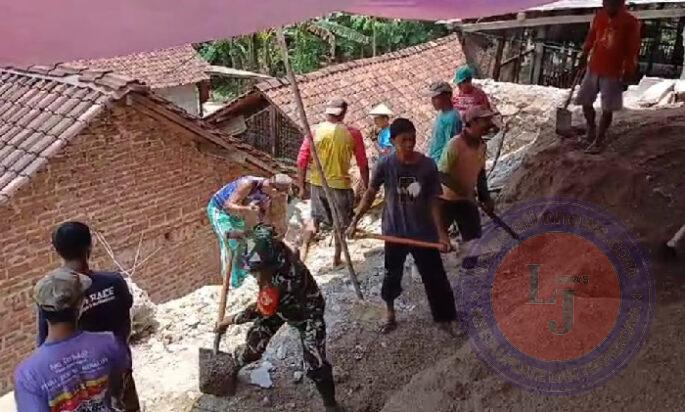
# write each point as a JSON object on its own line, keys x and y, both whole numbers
{"x": 254, "y": 48}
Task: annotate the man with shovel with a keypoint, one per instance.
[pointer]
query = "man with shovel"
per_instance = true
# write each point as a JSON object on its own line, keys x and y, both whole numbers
{"x": 288, "y": 294}
{"x": 613, "y": 45}
{"x": 411, "y": 211}
{"x": 462, "y": 169}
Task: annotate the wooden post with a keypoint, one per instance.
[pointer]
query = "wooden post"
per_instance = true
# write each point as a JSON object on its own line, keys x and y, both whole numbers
{"x": 498, "y": 58}
{"x": 273, "y": 130}
{"x": 317, "y": 162}
{"x": 655, "y": 46}
{"x": 536, "y": 73}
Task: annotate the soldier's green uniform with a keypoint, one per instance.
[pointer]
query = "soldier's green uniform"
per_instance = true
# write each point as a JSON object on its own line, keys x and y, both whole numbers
{"x": 301, "y": 305}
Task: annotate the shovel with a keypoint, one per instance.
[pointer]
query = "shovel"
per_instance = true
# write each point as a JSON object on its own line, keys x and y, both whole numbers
{"x": 216, "y": 366}
{"x": 398, "y": 240}
{"x": 499, "y": 222}
{"x": 564, "y": 117}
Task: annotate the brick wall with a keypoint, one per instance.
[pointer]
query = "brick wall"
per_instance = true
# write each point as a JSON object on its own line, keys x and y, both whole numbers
{"x": 126, "y": 174}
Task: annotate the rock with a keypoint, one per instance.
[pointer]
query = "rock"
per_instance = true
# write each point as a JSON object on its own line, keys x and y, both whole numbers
{"x": 260, "y": 376}
{"x": 281, "y": 352}
{"x": 297, "y": 376}
{"x": 266, "y": 401}
{"x": 656, "y": 93}
{"x": 143, "y": 311}
{"x": 358, "y": 352}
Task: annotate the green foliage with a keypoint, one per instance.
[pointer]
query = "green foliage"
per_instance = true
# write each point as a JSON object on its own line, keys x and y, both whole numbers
{"x": 314, "y": 44}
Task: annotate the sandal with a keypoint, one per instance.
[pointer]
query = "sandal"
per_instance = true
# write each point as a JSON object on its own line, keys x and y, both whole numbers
{"x": 388, "y": 327}
{"x": 594, "y": 148}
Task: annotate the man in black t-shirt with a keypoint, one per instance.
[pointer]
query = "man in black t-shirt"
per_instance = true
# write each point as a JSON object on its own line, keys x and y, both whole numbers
{"x": 411, "y": 210}
{"x": 106, "y": 304}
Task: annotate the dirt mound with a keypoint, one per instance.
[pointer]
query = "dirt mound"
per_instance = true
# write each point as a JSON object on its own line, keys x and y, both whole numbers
{"x": 653, "y": 381}
{"x": 638, "y": 178}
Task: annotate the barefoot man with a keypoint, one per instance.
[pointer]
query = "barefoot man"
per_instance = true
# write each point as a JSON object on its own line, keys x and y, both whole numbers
{"x": 613, "y": 45}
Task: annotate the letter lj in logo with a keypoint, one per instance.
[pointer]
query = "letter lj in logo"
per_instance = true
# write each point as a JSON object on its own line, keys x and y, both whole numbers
{"x": 567, "y": 304}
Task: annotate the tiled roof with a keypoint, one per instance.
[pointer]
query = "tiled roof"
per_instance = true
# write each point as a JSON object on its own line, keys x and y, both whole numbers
{"x": 43, "y": 108}
{"x": 158, "y": 69}
{"x": 398, "y": 79}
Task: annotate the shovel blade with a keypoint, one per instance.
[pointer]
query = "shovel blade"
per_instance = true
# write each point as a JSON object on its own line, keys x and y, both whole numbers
{"x": 216, "y": 373}
{"x": 564, "y": 125}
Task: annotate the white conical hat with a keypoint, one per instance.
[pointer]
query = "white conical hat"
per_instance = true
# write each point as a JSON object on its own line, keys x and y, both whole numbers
{"x": 381, "y": 110}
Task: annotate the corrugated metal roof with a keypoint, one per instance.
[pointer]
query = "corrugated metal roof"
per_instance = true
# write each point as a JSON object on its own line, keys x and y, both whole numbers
{"x": 591, "y": 4}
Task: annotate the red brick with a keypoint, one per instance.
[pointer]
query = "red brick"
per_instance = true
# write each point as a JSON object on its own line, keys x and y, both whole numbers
{"x": 123, "y": 175}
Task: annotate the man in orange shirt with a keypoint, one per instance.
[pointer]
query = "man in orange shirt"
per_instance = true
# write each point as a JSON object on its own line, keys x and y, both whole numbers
{"x": 612, "y": 45}
{"x": 336, "y": 144}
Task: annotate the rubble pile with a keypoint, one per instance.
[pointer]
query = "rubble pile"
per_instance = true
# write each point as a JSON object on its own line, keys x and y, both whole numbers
{"x": 143, "y": 312}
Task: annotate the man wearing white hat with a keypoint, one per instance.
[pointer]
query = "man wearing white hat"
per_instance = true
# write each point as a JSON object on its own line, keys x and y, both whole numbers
{"x": 336, "y": 144}
{"x": 381, "y": 119}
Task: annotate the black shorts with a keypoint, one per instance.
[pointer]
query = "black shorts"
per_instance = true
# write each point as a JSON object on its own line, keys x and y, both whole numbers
{"x": 467, "y": 216}
{"x": 321, "y": 210}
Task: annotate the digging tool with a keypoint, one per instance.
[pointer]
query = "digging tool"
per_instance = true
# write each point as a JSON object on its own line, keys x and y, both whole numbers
{"x": 399, "y": 240}
{"x": 216, "y": 366}
{"x": 499, "y": 222}
{"x": 669, "y": 249}
{"x": 564, "y": 118}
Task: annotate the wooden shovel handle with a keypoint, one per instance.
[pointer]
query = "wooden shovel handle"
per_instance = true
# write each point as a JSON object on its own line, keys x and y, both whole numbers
{"x": 222, "y": 299}
{"x": 399, "y": 240}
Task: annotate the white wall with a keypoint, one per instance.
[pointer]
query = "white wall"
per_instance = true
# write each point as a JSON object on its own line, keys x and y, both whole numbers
{"x": 186, "y": 96}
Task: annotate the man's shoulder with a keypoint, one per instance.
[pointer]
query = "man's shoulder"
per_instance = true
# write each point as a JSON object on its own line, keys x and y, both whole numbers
{"x": 108, "y": 278}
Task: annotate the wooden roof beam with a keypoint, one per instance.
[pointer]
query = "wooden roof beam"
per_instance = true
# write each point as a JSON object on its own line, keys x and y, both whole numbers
{"x": 668, "y": 13}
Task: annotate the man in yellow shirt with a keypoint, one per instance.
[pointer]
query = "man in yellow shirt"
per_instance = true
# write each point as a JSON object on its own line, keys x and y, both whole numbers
{"x": 462, "y": 170}
{"x": 336, "y": 144}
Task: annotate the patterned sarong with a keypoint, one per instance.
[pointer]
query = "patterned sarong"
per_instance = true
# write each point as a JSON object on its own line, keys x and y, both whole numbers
{"x": 222, "y": 223}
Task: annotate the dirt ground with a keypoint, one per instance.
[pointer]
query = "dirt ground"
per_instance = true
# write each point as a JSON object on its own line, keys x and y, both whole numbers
{"x": 639, "y": 180}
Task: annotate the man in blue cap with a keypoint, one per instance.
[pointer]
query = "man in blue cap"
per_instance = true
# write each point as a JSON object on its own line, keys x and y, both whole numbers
{"x": 468, "y": 95}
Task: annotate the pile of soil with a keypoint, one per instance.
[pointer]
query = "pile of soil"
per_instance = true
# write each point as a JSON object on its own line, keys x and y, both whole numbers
{"x": 639, "y": 180}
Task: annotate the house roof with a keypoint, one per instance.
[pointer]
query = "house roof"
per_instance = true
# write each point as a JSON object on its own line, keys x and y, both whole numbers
{"x": 158, "y": 69}
{"x": 43, "y": 108}
{"x": 589, "y": 4}
{"x": 398, "y": 79}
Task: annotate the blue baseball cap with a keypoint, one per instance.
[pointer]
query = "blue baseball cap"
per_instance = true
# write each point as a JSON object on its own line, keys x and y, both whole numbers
{"x": 463, "y": 73}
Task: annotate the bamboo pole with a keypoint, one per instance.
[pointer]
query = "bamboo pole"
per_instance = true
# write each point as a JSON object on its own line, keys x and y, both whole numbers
{"x": 317, "y": 162}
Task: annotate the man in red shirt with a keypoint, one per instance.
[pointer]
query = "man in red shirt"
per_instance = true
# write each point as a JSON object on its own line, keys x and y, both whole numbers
{"x": 468, "y": 95}
{"x": 612, "y": 45}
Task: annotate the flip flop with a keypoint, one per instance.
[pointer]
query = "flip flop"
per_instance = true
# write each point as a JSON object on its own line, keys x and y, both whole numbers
{"x": 594, "y": 148}
{"x": 388, "y": 327}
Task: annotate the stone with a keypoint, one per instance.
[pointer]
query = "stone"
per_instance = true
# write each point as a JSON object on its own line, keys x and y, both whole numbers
{"x": 281, "y": 352}
{"x": 261, "y": 377}
{"x": 143, "y": 311}
{"x": 297, "y": 376}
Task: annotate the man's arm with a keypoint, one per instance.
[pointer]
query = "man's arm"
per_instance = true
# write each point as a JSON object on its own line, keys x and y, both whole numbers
{"x": 436, "y": 213}
{"x": 632, "y": 52}
{"x": 303, "y": 158}
{"x": 249, "y": 314}
{"x": 360, "y": 155}
{"x": 589, "y": 41}
{"x": 484, "y": 192}
{"x": 234, "y": 203}
{"x": 124, "y": 294}
{"x": 365, "y": 205}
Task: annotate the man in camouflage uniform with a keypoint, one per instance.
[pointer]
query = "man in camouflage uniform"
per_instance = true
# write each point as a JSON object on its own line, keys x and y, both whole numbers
{"x": 288, "y": 294}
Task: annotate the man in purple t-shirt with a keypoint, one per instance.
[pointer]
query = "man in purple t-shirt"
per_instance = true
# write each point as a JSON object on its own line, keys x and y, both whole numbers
{"x": 72, "y": 371}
